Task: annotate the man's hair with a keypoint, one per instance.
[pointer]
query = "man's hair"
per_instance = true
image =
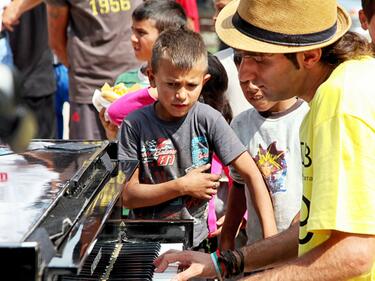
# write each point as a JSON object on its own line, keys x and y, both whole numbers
{"x": 182, "y": 47}
{"x": 213, "y": 92}
{"x": 165, "y": 13}
{"x": 368, "y": 7}
{"x": 350, "y": 46}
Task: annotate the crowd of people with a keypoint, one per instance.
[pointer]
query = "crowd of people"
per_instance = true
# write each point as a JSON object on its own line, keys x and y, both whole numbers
{"x": 284, "y": 113}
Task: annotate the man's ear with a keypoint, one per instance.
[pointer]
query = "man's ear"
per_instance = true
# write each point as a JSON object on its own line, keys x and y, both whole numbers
{"x": 363, "y": 19}
{"x": 310, "y": 58}
{"x": 151, "y": 77}
{"x": 206, "y": 77}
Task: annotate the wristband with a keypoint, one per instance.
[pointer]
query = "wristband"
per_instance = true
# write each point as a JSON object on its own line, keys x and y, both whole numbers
{"x": 232, "y": 265}
{"x": 241, "y": 266}
{"x": 216, "y": 264}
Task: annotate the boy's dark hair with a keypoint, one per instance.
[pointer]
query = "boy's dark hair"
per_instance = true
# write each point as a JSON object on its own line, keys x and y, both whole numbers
{"x": 368, "y": 7}
{"x": 351, "y": 46}
{"x": 213, "y": 92}
{"x": 165, "y": 13}
{"x": 183, "y": 47}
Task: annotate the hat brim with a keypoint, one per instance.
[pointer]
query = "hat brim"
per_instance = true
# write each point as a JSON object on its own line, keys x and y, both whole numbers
{"x": 235, "y": 39}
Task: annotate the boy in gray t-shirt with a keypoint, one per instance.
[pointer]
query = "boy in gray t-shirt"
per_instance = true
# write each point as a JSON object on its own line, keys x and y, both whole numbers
{"x": 174, "y": 139}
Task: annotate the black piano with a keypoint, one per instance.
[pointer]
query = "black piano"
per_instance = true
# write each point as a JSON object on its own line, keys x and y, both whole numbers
{"x": 60, "y": 216}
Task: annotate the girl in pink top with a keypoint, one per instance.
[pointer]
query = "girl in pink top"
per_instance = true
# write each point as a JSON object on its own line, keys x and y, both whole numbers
{"x": 126, "y": 104}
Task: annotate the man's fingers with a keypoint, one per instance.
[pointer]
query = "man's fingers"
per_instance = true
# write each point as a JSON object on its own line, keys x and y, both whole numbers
{"x": 193, "y": 271}
{"x": 171, "y": 256}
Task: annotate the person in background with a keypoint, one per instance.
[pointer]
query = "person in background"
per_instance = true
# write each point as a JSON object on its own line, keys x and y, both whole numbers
{"x": 219, "y": 5}
{"x": 366, "y": 17}
{"x": 27, "y": 22}
{"x": 62, "y": 96}
{"x": 174, "y": 140}
{"x": 191, "y": 9}
{"x": 6, "y": 56}
{"x": 311, "y": 55}
{"x": 234, "y": 94}
{"x": 91, "y": 38}
{"x": 149, "y": 19}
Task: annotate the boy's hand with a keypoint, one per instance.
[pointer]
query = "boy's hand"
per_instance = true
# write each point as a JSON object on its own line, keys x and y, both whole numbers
{"x": 110, "y": 129}
{"x": 199, "y": 184}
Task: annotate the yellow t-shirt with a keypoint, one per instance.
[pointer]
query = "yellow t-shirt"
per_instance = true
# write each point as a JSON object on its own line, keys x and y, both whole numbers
{"x": 338, "y": 157}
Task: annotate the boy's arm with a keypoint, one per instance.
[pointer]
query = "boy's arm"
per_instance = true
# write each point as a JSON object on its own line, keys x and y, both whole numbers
{"x": 250, "y": 173}
{"x": 236, "y": 207}
{"x": 196, "y": 183}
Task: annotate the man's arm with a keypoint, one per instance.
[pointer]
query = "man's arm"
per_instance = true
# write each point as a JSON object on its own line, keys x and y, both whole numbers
{"x": 196, "y": 183}
{"x": 236, "y": 207}
{"x": 14, "y": 11}
{"x": 58, "y": 20}
{"x": 341, "y": 257}
{"x": 249, "y": 171}
{"x": 274, "y": 250}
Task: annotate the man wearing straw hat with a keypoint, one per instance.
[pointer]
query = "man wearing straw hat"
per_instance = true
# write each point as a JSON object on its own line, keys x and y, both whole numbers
{"x": 303, "y": 48}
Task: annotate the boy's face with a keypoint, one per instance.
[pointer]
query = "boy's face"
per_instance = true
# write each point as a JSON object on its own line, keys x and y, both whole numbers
{"x": 178, "y": 90}
{"x": 143, "y": 38}
{"x": 256, "y": 98}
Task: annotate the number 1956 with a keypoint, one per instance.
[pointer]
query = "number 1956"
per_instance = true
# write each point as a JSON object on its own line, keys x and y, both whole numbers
{"x": 109, "y": 6}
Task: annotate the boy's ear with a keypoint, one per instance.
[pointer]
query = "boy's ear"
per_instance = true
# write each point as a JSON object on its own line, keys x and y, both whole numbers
{"x": 151, "y": 77}
{"x": 363, "y": 19}
{"x": 206, "y": 77}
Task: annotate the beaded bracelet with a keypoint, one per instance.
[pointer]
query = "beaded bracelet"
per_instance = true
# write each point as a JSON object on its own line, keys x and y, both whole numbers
{"x": 242, "y": 261}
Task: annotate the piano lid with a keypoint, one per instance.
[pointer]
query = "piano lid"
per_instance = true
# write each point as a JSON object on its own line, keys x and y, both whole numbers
{"x": 32, "y": 182}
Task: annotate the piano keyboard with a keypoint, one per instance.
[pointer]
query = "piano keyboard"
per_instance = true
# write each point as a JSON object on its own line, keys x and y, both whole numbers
{"x": 125, "y": 261}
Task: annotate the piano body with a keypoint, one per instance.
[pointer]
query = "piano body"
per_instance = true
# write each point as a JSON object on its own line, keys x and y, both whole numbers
{"x": 60, "y": 216}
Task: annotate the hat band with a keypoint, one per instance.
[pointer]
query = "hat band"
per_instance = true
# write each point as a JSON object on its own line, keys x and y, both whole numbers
{"x": 282, "y": 38}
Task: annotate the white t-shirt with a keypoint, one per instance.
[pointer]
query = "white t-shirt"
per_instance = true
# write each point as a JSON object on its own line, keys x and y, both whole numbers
{"x": 274, "y": 144}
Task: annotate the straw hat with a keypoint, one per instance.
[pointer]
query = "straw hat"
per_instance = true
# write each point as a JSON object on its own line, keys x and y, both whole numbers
{"x": 281, "y": 26}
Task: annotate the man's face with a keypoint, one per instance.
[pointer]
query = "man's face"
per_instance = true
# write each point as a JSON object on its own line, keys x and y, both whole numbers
{"x": 273, "y": 74}
{"x": 143, "y": 38}
{"x": 178, "y": 90}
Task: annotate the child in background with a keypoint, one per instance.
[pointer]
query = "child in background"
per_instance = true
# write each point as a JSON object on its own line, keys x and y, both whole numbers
{"x": 366, "y": 17}
{"x": 270, "y": 131}
{"x": 149, "y": 20}
{"x": 174, "y": 140}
